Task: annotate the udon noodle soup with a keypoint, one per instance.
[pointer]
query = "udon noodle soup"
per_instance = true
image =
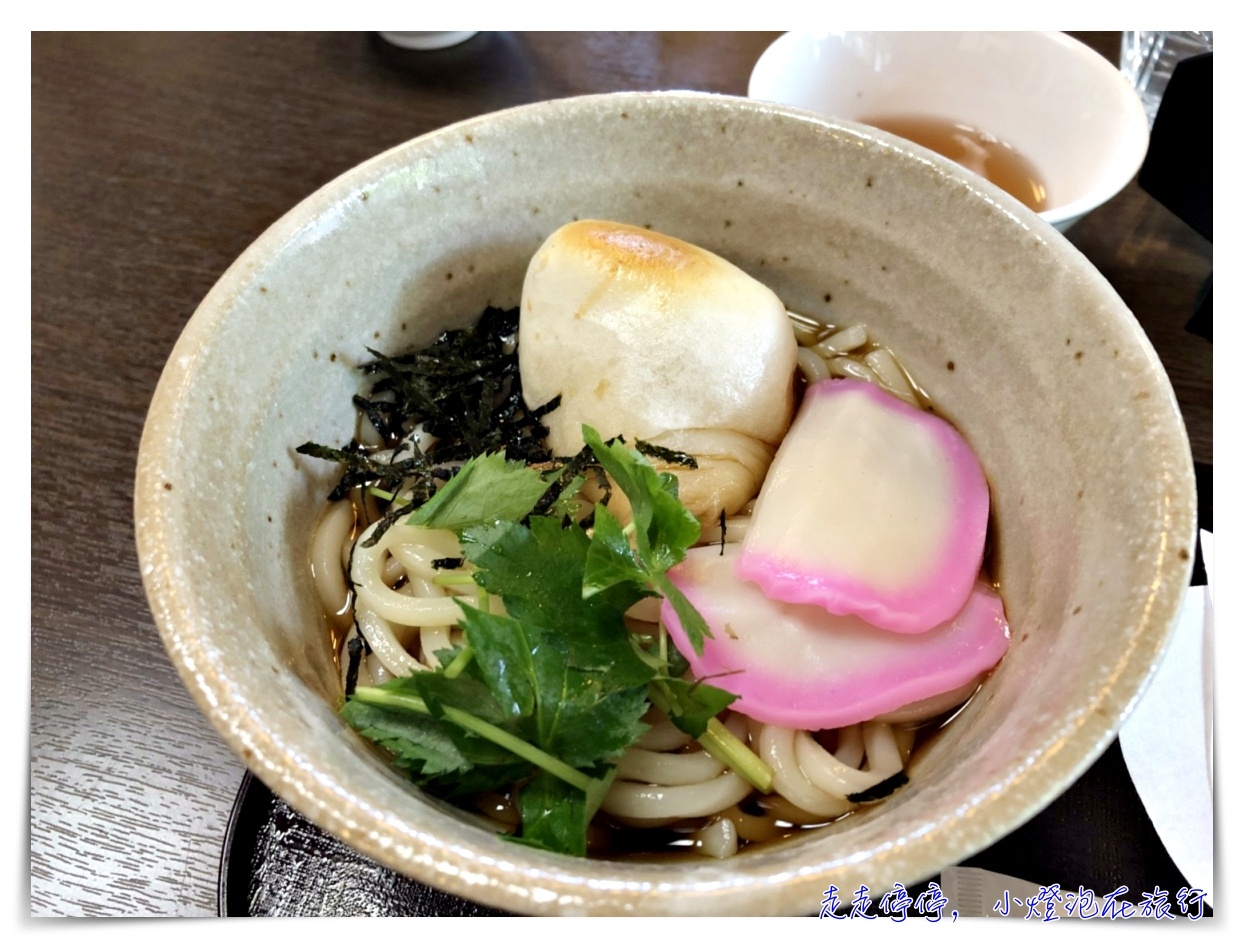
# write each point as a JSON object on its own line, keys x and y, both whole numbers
{"x": 412, "y": 613}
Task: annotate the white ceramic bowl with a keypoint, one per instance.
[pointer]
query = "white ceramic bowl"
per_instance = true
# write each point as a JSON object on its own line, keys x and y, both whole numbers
{"x": 1056, "y": 101}
{"x": 1019, "y": 341}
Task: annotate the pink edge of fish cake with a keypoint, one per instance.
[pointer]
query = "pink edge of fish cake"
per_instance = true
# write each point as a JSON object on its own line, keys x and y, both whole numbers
{"x": 800, "y": 666}
{"x": 798, "y": 507}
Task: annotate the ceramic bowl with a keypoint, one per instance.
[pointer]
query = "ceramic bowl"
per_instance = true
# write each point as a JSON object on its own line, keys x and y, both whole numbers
{"x": 1017, "y": 339}
{"x": 1059, "y": 104}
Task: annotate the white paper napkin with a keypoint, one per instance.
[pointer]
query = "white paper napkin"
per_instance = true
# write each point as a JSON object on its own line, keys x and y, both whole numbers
{"x": 1168, "y": 740}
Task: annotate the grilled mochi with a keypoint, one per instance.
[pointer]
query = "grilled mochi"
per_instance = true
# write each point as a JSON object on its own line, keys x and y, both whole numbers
{"x": 801, "y": 666}
{"x": 651, "y": 338}
{"x": 872, "y": 508}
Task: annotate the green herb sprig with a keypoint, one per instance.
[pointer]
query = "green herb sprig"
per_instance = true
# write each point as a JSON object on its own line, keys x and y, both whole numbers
{"x": 550, "y": 694}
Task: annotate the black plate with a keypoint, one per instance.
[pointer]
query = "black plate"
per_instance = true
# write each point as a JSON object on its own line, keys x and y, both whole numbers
{"x": 277, "y": 864}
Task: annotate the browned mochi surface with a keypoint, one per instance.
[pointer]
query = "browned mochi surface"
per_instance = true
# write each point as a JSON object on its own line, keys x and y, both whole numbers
{"x": 646, "y": 336}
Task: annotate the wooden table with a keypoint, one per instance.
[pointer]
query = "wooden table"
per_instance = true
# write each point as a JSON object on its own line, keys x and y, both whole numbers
{"x": 156, "y": 160}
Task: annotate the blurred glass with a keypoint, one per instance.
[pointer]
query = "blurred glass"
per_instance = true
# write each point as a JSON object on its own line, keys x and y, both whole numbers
{"x": 1149, "y": 58}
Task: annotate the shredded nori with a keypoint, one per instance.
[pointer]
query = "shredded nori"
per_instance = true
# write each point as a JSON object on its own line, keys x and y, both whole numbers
{"x": 449, "y": 562}
{"x": 422, "y": 493}
{"x": 363, "y": 469}
{"x": 354, "y": 649}
{"x": 886, "y": 787}
{"x": 669, "y": 456}
{"x": 582, "y": 461}
{"x": 722, "y": 521}
{"x": 465, "y": 390}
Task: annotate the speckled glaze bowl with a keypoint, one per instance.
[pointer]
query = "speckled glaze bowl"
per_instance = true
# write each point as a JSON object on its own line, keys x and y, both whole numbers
{"x": 1019, "y": 341}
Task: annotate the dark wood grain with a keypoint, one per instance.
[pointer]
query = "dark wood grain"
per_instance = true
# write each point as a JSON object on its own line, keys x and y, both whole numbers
{"x": 156, "y": 160}
{"x": 1159, "y": 266}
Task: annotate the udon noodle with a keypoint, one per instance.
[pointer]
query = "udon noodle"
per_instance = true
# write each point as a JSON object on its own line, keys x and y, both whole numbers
{"x": 393, "y": 607}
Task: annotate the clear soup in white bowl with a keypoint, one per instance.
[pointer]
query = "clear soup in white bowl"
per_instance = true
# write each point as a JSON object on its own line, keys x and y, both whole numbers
{"x": 1043, "y": 100}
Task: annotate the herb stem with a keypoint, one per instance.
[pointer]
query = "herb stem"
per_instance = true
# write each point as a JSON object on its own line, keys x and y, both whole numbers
{"x": 458, "y": 664}
{"x": 454, "y": 578}
{"x": 516, "y": 745}
{"x": 721, "y": 743}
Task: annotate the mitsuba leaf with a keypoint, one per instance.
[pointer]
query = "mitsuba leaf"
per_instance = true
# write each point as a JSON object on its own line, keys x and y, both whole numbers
{"x": 464, "y": 691}
{"x": 478, "y": 539}
{"x": 664, "y": 528}
{"x": 421, "y": 745}
{"x": 486, "y": 489}
{"x": 691, "y": 704}
{"x": 554, "y": 690}
{"x": 566, "y": 503}
{"x": 693, "y": 623}
{"x": 436, "y": 753}
{"x": 678, "y": 666}
{"x": 538, "y": 571}
{"x": 554, "y": 816}
{"x": 610, "y": 559}
{"x": 583, "y": 717}
{"x": 504, "y": 654}
{"x": 579, "y": 716}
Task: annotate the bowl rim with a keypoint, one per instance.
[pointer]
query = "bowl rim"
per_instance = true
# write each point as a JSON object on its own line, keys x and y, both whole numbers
{"x": 599, "y": 884}
{"x": 1137, "y": 130}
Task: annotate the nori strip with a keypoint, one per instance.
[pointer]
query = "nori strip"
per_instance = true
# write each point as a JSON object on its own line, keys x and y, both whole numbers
{"x": 392, "y": 515}
{"x": 374, "y": 410}
{"x": 573, "y": 467}
{"x": 885, "y": 787}
{"x": 353, "y": 648}
{"x": 449, "y": 562}
{"x": 362, "y": 468}
{"x": 675, "y": 457}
